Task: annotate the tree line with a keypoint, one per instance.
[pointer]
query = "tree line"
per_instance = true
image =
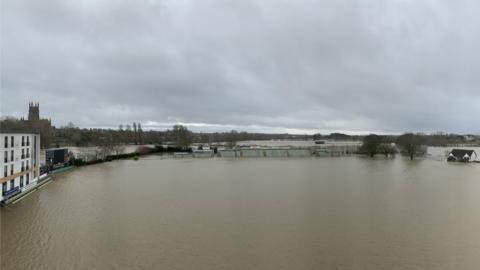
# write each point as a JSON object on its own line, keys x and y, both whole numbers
{"x": 71, "y": 135}
{"x": 409, "y": 144}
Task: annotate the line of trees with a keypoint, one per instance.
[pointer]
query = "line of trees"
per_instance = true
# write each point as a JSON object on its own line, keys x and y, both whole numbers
{"x": 131, "y": 135}
{"x": 409, "y": 144}
{"x": 70, "y": 135}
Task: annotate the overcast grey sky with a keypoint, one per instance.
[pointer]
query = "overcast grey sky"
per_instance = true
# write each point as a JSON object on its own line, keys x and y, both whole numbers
{"x": 274, "y": 66}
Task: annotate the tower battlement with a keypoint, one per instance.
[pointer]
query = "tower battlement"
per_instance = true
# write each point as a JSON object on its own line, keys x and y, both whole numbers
{"x": 33, "y": 111}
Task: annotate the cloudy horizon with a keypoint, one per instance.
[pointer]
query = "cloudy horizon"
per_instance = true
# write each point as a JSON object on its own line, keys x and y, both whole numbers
{"x": 261, "y": 66}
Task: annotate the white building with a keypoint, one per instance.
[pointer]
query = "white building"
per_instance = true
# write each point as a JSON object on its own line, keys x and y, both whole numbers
{"x": 19, "y": 162}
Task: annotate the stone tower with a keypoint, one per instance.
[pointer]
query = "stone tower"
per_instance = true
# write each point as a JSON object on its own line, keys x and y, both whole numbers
{"x": 33, "y": 111}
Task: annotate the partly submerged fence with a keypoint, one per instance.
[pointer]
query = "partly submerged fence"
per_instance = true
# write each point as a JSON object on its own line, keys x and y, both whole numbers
{"x": 330, "y": 150}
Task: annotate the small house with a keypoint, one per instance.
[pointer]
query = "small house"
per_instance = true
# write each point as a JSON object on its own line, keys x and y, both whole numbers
{"x": 463, "y": 155}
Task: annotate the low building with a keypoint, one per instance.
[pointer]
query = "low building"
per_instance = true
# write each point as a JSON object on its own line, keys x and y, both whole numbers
{"x": 19, "y": 162}
{"x": 56, "y": 157}
{"x": 463, "y": 155}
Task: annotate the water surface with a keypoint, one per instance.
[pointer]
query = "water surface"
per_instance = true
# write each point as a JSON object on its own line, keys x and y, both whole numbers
{"x": 318, "y": 213}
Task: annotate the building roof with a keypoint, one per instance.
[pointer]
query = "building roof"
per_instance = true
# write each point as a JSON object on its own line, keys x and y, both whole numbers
{"x": 11, "y": 131}
{"x": 460, "y": 153}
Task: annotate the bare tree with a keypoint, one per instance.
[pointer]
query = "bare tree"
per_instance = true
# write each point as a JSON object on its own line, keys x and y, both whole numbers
{"x": 128, "y": 135}
{"x": 117, "y": 144}
{"x": 232, "y": 138}
{"x": 182, "y": 136}
{"x": 371, "y": 145}
{"x": 411, "y": 144}
{"x": 118, "y": 149}
{"x": 106, "y": 145}
{"x": 387, "y": 149}
{"x": 140, "y": 134}
{"x": 135, "y": 140}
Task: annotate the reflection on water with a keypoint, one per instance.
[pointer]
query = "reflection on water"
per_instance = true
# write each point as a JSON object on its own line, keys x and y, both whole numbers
{"x": 324, "y": 213}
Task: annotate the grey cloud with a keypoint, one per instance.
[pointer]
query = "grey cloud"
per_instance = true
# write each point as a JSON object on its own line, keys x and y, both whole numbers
{"x": 383, "y": 66}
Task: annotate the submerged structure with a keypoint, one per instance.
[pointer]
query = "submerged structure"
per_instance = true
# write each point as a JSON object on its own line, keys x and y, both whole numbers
{"x": 264, "y": 152}
{"x": 463, "y": 155}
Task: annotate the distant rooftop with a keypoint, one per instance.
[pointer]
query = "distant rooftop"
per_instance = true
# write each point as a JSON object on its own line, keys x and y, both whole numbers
{"x": 460, "y": 153}
{"x": 12, "y": 131}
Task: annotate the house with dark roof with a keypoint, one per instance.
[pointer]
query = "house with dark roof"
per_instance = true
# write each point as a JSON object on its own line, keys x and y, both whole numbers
{"x": 464, "y": 155}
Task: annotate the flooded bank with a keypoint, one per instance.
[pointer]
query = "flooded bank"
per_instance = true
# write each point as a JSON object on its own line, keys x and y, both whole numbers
{"x": 310, "y": 213}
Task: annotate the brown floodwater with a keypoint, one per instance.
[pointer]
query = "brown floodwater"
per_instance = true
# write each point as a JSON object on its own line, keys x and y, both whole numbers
{"x": 313, "y": 213}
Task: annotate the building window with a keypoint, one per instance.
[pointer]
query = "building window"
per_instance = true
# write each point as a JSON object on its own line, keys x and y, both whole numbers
{"x": 28, "y": 152}
{"x": 28, "y": 178}
{"x": 5, "y": 158}
{"x": 12, "y": 141}
{"x": 5, "y": 171}
{"x": 11, "y": 169}
{"x": 12, "y": 183}
{"x": 23, "y": 166}
{"x": 21, "y": 181}
{"x": 23, "y": 153}
{"x": 28, "y": 165}
{"x": 23, "y": 140}
{"x": 4, "y": 188}
{"x": 11, "y": 155}
{"x": 28, "y": 140}
{"x": 35, "y": 154}
{"x": 6, "y": 141}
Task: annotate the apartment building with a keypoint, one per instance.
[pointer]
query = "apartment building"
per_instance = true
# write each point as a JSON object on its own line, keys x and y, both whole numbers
{"x": 19, "y": 162}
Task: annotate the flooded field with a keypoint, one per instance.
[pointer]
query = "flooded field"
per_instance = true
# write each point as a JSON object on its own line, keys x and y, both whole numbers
{"x": 310, "y": 213}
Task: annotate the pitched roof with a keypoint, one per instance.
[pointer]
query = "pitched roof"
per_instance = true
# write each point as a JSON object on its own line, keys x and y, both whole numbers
{"x": 460, "y": 153}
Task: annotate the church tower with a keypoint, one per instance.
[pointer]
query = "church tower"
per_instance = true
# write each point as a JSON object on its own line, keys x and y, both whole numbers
{"x": 33, "y": 111}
